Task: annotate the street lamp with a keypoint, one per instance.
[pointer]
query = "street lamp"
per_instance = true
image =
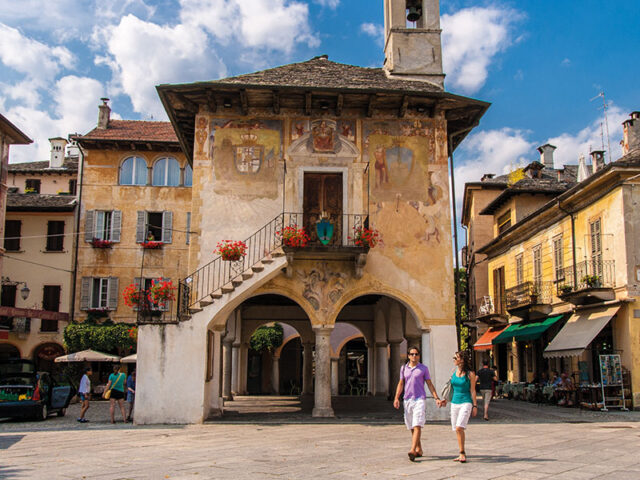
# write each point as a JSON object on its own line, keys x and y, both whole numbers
{"x": 24, "y": 291}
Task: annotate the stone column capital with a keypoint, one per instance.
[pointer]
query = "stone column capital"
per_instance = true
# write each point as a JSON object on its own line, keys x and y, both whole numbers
{"x": 381, "y": 344}
{"x": 322, "y": 331}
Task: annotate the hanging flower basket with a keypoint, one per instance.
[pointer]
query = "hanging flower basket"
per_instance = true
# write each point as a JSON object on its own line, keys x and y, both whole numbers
{"x": 161, "y": 293}
{"x": 293, "y": 236}
{"x": 231, "y": 250}
{"x": 152, "y": 245}
{"x": 365, "y": 237}
{"x": 97, "y": 243}
{"x": 132, "y": 296}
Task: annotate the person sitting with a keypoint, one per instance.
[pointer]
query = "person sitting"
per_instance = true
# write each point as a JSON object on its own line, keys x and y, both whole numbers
{"x": 565, "y": 389}
{"x": 555, "y": 379}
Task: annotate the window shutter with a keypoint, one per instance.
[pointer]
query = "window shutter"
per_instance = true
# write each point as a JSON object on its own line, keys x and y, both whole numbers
{"x": 112, "y": 302}
{"x": 89, "y": 226}
{"x": 167, "y": 227}
{"x": 85, "y": 293}
{"x": 140, "y": 227}
{"x": 116, "y": 225}
{"x": 188, "y": 234}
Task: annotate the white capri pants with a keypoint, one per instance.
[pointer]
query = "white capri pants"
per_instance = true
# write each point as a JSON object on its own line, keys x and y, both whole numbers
{"x": 414, "y": 412}
{"x": 460, "y": 413}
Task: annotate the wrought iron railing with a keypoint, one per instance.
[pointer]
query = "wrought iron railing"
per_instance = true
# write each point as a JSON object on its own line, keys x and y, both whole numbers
{"x": 486, "y": 306}
{"x": 342, "y": 227}
{"x": 587, "y": 274}
{"x": 219, "y": 273}
{"x": 529, "y": 293}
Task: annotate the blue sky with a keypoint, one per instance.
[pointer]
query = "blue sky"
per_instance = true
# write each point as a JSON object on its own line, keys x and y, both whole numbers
{"x": 538, "y": 62}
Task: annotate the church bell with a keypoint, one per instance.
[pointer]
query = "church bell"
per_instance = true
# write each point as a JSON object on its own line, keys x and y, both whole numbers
{"x": 415, "y": 10}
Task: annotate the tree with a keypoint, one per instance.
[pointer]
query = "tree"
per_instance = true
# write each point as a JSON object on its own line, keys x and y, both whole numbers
{"x": 461, "y": 308}
{"x": 267, "y": 338}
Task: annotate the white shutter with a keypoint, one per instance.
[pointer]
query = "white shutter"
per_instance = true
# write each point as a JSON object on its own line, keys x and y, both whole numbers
{"x": 141, "y": 224}
{"x": 116, "y": 225}
{"x": 112, "y": 301}
{"x": 188, "y": 234}
{"x": 89, "y": 226}
{"x": 85, "y": 293}
{"x": 167, "y": 227}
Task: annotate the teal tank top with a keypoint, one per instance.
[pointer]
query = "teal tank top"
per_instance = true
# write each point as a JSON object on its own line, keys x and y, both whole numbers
{"x": 461, "y": 389}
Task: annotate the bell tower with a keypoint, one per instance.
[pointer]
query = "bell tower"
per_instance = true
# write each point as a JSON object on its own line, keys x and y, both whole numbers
{"x": 413, "y": 49}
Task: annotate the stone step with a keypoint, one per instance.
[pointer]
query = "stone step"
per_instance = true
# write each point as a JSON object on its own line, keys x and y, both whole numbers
{"x": 258, "y": 267}
{"x": 228, "y": 288}
{"x": 215, "y": 295}
{"x": 194, "y": 310}
{"x": 247, "y": 274}
{"x": 267, "y": 260}
{"x": 278, "y": 253}
{"x": 205, "y": 303}
{"x": 236, "y": 282}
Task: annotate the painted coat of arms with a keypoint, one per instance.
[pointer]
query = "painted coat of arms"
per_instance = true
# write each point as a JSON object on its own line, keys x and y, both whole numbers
{"x": 248, "y": 156}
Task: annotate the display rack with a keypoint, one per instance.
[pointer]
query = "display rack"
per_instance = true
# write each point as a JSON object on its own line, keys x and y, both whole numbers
{"x": 611, "y": 378}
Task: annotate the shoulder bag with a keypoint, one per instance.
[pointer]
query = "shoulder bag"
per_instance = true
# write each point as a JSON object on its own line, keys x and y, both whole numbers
{"x": 447, "y": 390}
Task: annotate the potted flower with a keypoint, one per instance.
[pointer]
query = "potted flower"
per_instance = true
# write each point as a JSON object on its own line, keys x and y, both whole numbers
{"x": 98, "y": 243}
{"x": 292, "y": 236}
{"x": 151, "y": 245}
{"x": 132, "y": 296}
{"x": 161, "y": 293}
{"x": 565, "y": 289}
{"x": 231, "y": 250}
{"x": 592, "y": 281}
{"x": 365, "y": 237}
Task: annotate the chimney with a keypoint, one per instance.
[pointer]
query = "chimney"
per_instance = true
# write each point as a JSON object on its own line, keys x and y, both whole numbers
{"x": 583, "y": 173}
{"x": 104, "y": 112}
{"x": 487, "y": 176}
{"x": 631, "y": 133}
{"x": 597, "y": 160}
{"x": 413, "y": 47}
{"x": 546, "y": 155}
{"x": 58, "y": 145}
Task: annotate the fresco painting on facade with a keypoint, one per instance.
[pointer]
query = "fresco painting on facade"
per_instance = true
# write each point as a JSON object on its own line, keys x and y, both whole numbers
{"x": 246, "y": 151}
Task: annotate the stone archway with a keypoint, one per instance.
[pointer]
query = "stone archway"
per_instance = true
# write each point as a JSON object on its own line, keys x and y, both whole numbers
{"x": 8, "y": 350}
{"x": 45, "y": 354}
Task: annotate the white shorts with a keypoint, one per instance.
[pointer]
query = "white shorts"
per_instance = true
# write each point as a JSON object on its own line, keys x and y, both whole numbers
{"x": 460, "y": 413}
{"x": 414, "y": 412}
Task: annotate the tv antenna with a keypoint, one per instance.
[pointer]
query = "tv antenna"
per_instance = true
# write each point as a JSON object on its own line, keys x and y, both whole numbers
{"x": 606, "y": 123}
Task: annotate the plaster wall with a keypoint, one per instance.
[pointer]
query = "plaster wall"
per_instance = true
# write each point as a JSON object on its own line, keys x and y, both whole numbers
{"x": 50, "y": 183}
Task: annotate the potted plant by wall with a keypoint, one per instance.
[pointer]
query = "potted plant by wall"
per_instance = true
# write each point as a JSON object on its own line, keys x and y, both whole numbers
{"x": 592, "y": 281}
{"x": 151, "y": 245}
{"x": 98, "y": 243}
{"x": 161, "y": 293}
{"x": 566, "y": 289}
{"x": 132, "y": 296}
{"x": 292, "y": 236}
{"x": 231, "y": 250}
{"x": 365, "y": 237}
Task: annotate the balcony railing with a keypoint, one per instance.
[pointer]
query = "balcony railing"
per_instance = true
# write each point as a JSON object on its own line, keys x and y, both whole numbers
{"x": 340, "y": 226}
{"x": 485, "y": 306}
{"x": 587, "y": 274}
{"x": 528, "y": 293}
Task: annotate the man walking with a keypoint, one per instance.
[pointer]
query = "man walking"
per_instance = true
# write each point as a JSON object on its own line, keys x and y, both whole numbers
{"x": 413, "y": 376}
{"x": 486, "y": 377}
{"x": 84, "y": 392}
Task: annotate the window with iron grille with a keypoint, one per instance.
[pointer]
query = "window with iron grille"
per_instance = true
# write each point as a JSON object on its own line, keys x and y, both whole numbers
{"x": 55, "y": 236}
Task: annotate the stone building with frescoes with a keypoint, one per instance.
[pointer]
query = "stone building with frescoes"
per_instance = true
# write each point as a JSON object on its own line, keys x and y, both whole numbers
{"x": 343, "y": 152}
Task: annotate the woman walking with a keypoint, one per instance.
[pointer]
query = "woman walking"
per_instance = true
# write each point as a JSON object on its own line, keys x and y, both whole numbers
{"x": 464, "y": 402}
{"x": 117, "y": 382}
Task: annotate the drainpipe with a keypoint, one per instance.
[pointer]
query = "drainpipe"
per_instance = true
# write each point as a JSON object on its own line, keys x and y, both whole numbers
{"x": 74, "y": 274}
{"x": 455, "y": 225}
{"x": 573, "y": 244}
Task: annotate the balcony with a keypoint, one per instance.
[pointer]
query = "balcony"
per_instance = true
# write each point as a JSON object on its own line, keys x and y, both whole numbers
{"x": 529, "y": 300}
{"x": 485, "y": 310}
{"x": 589, "y": 282}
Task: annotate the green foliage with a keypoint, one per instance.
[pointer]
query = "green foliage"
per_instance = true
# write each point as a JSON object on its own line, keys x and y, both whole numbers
{"x": 463, "y": 331}
{"x": 116, "y": 339}
{"x": 267, "y": 337}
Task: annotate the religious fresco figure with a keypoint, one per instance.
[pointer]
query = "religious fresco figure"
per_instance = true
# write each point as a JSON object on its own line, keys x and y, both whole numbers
{"x": 382, "y": 174}
{"x": 323, "y": 133}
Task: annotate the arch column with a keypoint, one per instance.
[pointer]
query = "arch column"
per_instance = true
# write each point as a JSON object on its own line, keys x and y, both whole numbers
{"x": 371, "y": 370}
{"x": 394, "y": 376}
{"x": 235, "y": 359}
{"x": 335, "y": 376}
{"x": 227, "y": 363}
{"x": 307, "y": 368}
{"x": 275, "y": 375}
{"x": 243, "y": 365}
{"x": 382, "y": 370}
{"x": 322, "y": 392}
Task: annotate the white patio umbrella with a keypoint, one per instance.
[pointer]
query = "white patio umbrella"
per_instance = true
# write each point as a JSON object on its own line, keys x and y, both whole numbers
{"x": 88, "y": 356}
{"x": 129, "y": 358}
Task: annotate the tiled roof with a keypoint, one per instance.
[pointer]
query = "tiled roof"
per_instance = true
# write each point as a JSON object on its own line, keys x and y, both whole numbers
{"x": 133, "y": 130}
{"x": 70, "y": 165}
{"x": 34, "y": 202}
{"x": 320, "y": 72}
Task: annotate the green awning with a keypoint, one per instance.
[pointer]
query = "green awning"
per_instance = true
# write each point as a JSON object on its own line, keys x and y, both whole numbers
{"x": 526, "y": 331}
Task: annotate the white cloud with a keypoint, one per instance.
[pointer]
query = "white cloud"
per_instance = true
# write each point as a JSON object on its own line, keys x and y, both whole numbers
{"x": 142, "y": 55}
{"x": 471, "y": 39}
{"x": 39, "y": 62}
{"x": 572, "y": 145}
{"x": 329, "y": 3}
{"x": 75, "y": 110}
{"x": 264, "y": 24}
{"x": 373, "y": 30}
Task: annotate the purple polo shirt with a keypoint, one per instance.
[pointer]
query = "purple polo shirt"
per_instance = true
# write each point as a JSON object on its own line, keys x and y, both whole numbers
{"x": 414, "y": 379}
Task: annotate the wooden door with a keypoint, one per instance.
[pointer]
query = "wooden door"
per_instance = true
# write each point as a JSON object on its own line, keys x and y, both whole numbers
{"x": 498, "y": 290}
{"x": 323, "y": 193}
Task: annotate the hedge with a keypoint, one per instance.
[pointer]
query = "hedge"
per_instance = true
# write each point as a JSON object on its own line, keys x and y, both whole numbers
{"x": 119, "y": 339}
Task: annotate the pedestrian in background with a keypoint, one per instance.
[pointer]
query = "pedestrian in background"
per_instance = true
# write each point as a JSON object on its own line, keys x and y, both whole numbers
{"x": 84, "y": 392}
{"x": 463, "y": 401}
{"x": 486, "y": 377}
{"x": 131, "y": 394}
{"x": 413, "y": 376}
{"x": 116, "y": 384}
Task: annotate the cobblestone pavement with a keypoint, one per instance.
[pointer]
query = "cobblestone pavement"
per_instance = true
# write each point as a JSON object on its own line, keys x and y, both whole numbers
{"x": 522, "y": 441}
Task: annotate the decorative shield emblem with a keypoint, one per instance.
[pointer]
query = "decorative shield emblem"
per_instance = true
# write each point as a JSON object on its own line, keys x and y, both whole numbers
{"x": 324, "y": 229}
{"x": 248, "y": 157}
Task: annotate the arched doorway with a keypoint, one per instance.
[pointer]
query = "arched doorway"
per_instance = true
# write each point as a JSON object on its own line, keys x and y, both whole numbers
{"x": 44, "y": 356}
{"x": 8, "y": 351}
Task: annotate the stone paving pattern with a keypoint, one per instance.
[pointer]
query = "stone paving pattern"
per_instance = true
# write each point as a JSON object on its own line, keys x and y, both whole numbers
{"x": 522, "y": 441}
